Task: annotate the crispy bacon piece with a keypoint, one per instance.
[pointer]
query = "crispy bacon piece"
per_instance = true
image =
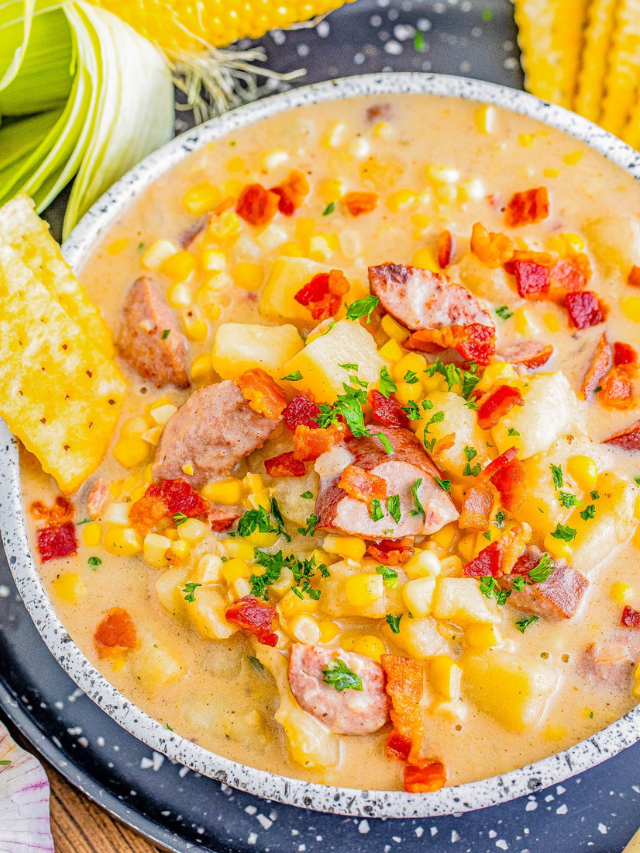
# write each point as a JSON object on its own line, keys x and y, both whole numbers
{"x": 633, "y": 278}
{"x": 61, "y": 511}
{"x": 527, "y": 207}
{"x": 257, "y": 205}
{"x": 387, "y": 410}
{"x": 301, "y": 410}
{"x": 558, "y": 597}
{"x": 510, "y": 481}
{"x": 292, "y": 192}
{"x": 56, "y": 541}
{"x": 398, "y": 746}
{"x": 475, "y": 513}
{"x": 115, "y": 634}
{"x": 285, "y": 465}
{"x": 474, "y": 342}
{"x": 221, "y": 519}
{"x": 624, "y": 354}
{"x": 528, "y": 354}
{"x": 627, "y": 439}
{"x": 323, "y": 294}
{"x": 532, "y": 279}
{"x": 362, "y": 485}
{"x": 617, "y": 388}
{"x": 425, "y": 778}
{"x": 310, "y": 443}
{"x": 585, "y": 309}
{"x": 500, "y": 556}
{"x": 599, "y": 366}
{"x": 507, "y": 475}
{"x": 493, "y": 249}
{"x": 392, "y": 552}
{"x": 630, "y": 618}
{"x": 262, "y": 393}
{"x": 167, "y": 498}
{"x": 569, "y": 275}
{"x": 97, "y": 499}
{"x": 496, "y": 404}
{"x": 528, "y": 256}
{"x": 445, "y": 249}
{"x": 255, "y": 617}
{"x": 358, "y": 203}
{"x": 404, "y": 687}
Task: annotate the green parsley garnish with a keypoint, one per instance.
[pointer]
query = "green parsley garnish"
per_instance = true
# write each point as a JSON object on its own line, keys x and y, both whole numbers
{"x": 338, "y": 675}
{"x": 180, "y": 518}
{"x": 427, "y": 405}
{"x": 588, "y": 513}
{"x": 419, "y": 41}
{"x": 503, "y": 312}
{"x": 389, "y": 576}
{"x": 541, "y": 572}
{"x": 518, "y": 583}
{"x": 419, "y": 510}
{"x": 523, "y": 624}
{"x": 94, "y": 562}
{"x": 470, "y": 453}
{"x": 349, "y": 366}
{"x": 376, "y": 512}
{"x": 273, "y": 565}
{"x": 499, "y": 519}
{"x": 84, "y": 521}
{"x": 436, "y": 418}
{"x": 556, "y": 473}
{"x": 384, "y": 441}
{"x": 512, "y": 431}
{"x": 393, "y": 508}
{"x": 307, "y": 495}
{"x": 255, "y": 663}
{"x": 190, "y": 591}
{"x": 444, "y": 484}
{"x": 387, "y": 384}
{"x": 564, "y": 532}
{"x": 329, "y": 208}
{"x": 568, "y": 500}
{"x": 637, "y": 479}
{"x": 362, "y": 307}
{"x": 394, "y": 622}
{"x": 412, "y": 410}
{"x": 595, "y": 496}
{"x": 490, "y": 588}
{"x": 166, "y": 334}
{"x": 410, "y": 377}
{"x": 310, "y": 529}
{"x": 296, "y": 376}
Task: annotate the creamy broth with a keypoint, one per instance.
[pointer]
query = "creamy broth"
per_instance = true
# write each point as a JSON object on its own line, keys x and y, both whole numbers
{"x": 434, "y": 164}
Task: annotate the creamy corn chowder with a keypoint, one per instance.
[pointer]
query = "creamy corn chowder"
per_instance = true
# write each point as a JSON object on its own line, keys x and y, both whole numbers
{"x": 372, "y": 501}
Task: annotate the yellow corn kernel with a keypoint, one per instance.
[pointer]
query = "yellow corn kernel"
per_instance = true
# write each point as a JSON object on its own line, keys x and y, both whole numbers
{"x": 425, "y": 259}
{"x": 131, "y": 452}
{"x": 636, "y": 672}
{"x": 328, "y": 631}
{"x": 179, "y": 267}
{"x": 304, "y": 628}
{"x": 446, "y": 193}
{"x": 621, "y": 593}
{"x": 445, "y": 675}
{"x": 362, "y": 589}
{"x": 236, "y": 164}
{"x": 392, "y": 328}
{"x": 235, "y": 568}
{"x": 291, "y": 605}
{"x": 239, "y": 588}
{"x": 466, "y": 547}
{"x": 258, "y": 500}
{"x": 233, "y": 187}
{"x": 305, "y": 229}
{"x": 521, "y": 322}
{"x": 238, "y": 548}
{"x": 154, "y": 549}
{"x": 179, "y": 295}
{"x": 573, "y": 158}
{"x": 157, "y": 253}
{"x": 331, "y": 190}
{"x": 291, "y": 249}
{"x": 554, "y": 733}
{"x": 201, "y": 198}
{"x": 161, "y": 414}
{"x": 92, "y": 533}
{"x": 391, "y": 351}
{"x": 485, "y": 119}
{"x": 551, "y": 173}
{"x": 69, "y": 587}
{"x": 382, "y": 130}
{"x": 558, "y": 548}
{"x": 400, "y": 199}
{"x": 321, "y": 247}
{"x": 407, "y": 393}
{"x": 134, "y": 427}
{"x": 525, "y": 139}
{"x": 272, "y": 159}
{"x": 500, "y": 370}
{"x": 481, "y": 635}
{"x": 194, "y": 325}
{"x": 412, "y": 361}
{"x": 202, "y": 369}
{"x": 226, "y": 492}
{"x": 262, "y": 540}
{"x": 213, "y": 260}
{"x": 172, "y": 534}
{"x": 319, "y": 556}
{"x": 118, "y": 246}
{"x": 423, "y": 564}
{"x": 370, "y": 646}
{"x": 208, "y": 569}
{"x": 180, "y": 549}
{"x": 631, "y": 308}
{"x": 417, "y": 595}
{"x": 444, "y": 537}
{"x": 421, "y": 223}
{"x": 443, "y": 174}
{"x": 192, "y": 530}
{"x": 551, "y": 321}
{"x": 252, "y": 483}
{"x": 345, "y": 546}
{"x": 123, "y": 541}
{"x": 636, "y": 509}
{"x": 347, "y": 643}
{"x": 584, "y": 471}
{"x": 248, "y": 276}
{"x": 187, "y": 469}
{"x": 223, "y": 229}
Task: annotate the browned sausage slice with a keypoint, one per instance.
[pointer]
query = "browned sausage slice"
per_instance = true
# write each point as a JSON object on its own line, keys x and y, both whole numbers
{"x": 400, "y": 471}
{"x": 420, "y": 299}
{"x": 212, "y": 431}
{"x": 607, "y": 663}
{"x": 345, "y": 712}
{"x": 149, "y": 339}
{"x": 556, "y": 598}
{"x": 528, "y": 354}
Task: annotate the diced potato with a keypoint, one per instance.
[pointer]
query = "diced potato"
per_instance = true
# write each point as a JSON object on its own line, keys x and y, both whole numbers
{"x": 476, "y": 276}
{"x": 540, "y": 507}
{"x": 287, "y": 491}
{"x": 615, "y": 241}
{"x": 319, "y": 362}
{"x": 154, "y": 667}
{"x": 459, "y": 422}
{"x": 334, "y": 602}
{"x": 169, "y": 586}
{"x": 206, "y": 613}
{"x": 206, "y": 714}
{"x": 459, "y": 600}
{"x": 287, "y": 277}
{"x": 549, "y": 408}
{"x": 241, "y": 346}
{"x": 418, "y": 637}
{"x": 513, "y": 689}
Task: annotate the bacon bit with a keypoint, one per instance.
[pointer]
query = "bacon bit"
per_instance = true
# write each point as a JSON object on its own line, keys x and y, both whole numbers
{"x": 627, "y": 439}
{"x": 633, "y": 278}
{"x": 599, "y": 366}
{"x": 358, "y": 203}
{"x": 474, "y": 342}
{"x": 441, "y": 445}
{"x": 405, "y": 687}
{"x": 253, "y": 616}
{"x": 387, "y": 410}
{"x": 262, "y": 393}
{"x": 500, "y": 556}
{"x": 624, "y": 354}
{"x": 398, "y": 746}
{"x": 569, "y": 275}
{"x": 630, "y": 617}
{"x": 585, "y": 309}
{"x": 115, "y": 634}
{"x": 493, "y": 249}
{"x": 166, "y": 498}
{"x": 97, "y": 499}
{"x": 392, "y": 552}
{"x": 378, "y": 112}
{"x": 323, "y": 294}
{"x": 310, "y": 443}
{"x": 61, "y": 511}
{"x": 362, "y": 485}
{"x": 510, "y": 483}
{"x": 617, "y": 388}
{"x": 57, "y": 541}
{"x": 222, "y": 519}
{"x": 507, "y": 474}
{"x": 423, "y": 779}
{"x": 292, "y": 192}
{"x": 285, "y": 465}
{"x": 257, "y": 205}
{"x": 477, "y": 504}
{"x": 445, "y": 249}
{"x": 496, "y": 404}
{"x": 147, "y": 512}
{"x": 528, "y": 354}
{"x": 528, "y": 256}
{"x": 532, "y": 280}
{"x": 301, "y": 410}
{"x": 527, "y": 207}
{"x": 499, "y": 463}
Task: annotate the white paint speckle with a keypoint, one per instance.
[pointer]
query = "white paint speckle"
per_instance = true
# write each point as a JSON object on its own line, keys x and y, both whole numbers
{"x": 183, "y": 772}
{"x": 549, "y": 798}
{"x": 531, "y": 806}
{"x": 393, "y": 47}
{"x": 562, "y": 809}
{"x": 493, "y": 833}
{"x": 363, "y": 827}
{"x": 303, "y": 50}
{"x": 5, "y": 592}
{"x": 454, "y": 836}
{"x": 560, "y": 789}
{"x": 501, "y": 844}
{"x": 264, "y": 821}
{"x": 419, "y": 831}
{"x": 253, "y": 837}
{"x": 602, "y": 828}
{"x": 251, "y": 810}
{"x": 433, "y": 831}
{"x": 323, "y": 29}
{"x": 403, "y": 32}
{"x": 358, "y": 59}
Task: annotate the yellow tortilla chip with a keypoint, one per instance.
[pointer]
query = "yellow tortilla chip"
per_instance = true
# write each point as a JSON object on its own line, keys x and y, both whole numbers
{"x": 597, "y": 43}
{"x": 621, "y": 81}
{"x": 58, "y": 392}
{"x": 23, "y": 230}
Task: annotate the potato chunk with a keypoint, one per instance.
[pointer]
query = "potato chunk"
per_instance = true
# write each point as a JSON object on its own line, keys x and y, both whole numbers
{"x": 615, "y": 241}
{"x": 459, "y": 422}
{"x": 241, "y": 346}
{"x": 333, "y": 599}
{"x": 154, "y": 667}
{"x": 418, "y": 637}
{"x": 540, "y": 506}
{"x": 460, "y": 600}
{"x": 319, "y": 362}
{"x": 206, "y": 613}
{"x": 287, "y": 277}
{"x": 513, "y": 689}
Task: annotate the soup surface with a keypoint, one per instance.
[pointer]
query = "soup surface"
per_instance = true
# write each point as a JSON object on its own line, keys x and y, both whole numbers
{"x": 362, "y": 522}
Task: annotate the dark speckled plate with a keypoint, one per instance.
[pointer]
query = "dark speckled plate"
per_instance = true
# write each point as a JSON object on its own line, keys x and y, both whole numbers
{"x": 180, "y": 809}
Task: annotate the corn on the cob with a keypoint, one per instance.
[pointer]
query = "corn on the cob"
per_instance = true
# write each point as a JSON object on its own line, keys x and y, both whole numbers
{"x": 621, "y": 81}
{"x": 597, "y": 41}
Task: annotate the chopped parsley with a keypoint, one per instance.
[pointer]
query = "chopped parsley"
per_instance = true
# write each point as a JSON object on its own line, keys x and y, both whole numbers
{"x": 451, "y": 372}
{"x": 541, "y": 572}
{"x": 503, "y": 312}
{"x": 394, "y": 622}
{"x": 512, "y": 431}
{"x": 410, "y": 377}
{"x": 419, "y": 509}
{"x": 595, "y": 496}
{"x": 387, "y": 384}
{"x": 362, "y": 307}
{"x": 637, "y": 479}
{"x": 445, "y": 485}
{"x": 279, "y": 520}
{"x": 568, "y": 500}
{"x": 338, "y": 675}
{"x": 307, "y": 495}
{"x": 296, "y": 376}
{"x": 436, "y": 418}
{"x": 523, "y": 624}
{"x": 180, "y": 518}
{"x": 471, "y": 470}
{"x": 487, "y": 535}
{"x": 310, "y": 529}
{"x": 167, "y": 726}
{"x": 329, "y": 208}
{"x": 389, "y": 576}
{"x": 255, "y": 663}
{"x": 376, "y": 512}
{"x": 564, "y": 532}
{"x": 393, "y": 508}
{"x": 260, "y": 520}
{"x": 470, "y": 453}
{"x": 166, "y": 334}
{"x": 349, "y": 366}
{"x": 412, "y": 410}
{"x": 427, "y": 405}
{"x": 384, "y": 441}
{"x": 472, "y": 406}
{"x": 94, "y": 562}
{"x": 84, "y": 521}
{"x": 499, "y": 519}
{"x": 588, "y": 513}
{"x": 518, "y": 583}
{"x": 190, "y": 591}
{"x": 490, "y": 588}
{"x": 556, "y": 473}
{"x": 273, "y": 565}
{"x": 469, "y": 380}
{"x": 302, "y": 570}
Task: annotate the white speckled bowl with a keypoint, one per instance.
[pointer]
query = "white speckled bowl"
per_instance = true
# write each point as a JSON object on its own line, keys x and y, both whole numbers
{"x": 474, "y": 795}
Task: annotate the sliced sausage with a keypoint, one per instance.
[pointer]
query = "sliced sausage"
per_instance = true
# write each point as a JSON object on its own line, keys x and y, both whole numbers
{"x": 608, "y": 663}
{"x": 149, "y": 339}
{"x": 400, "y": 471}
{"x": 212, "y": 431}
{"x": 222, "y": 518}
{"x": 599, "y": 365}
{"x": 556, "y": 598}
{"x": 420, "y": 299}
{"x": 345, "y": 712}
{"x": 628, "y": 438}
{"x": 529, "y": 354}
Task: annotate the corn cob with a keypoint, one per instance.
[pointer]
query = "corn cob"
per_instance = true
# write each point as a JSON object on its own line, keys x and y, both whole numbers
{"x": 621, "y": 81}
{"x": 597, "y": 42}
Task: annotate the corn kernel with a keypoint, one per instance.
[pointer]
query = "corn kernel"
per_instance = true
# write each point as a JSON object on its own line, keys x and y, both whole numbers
{"x": 551, "y": 322}
{"x": 134, "y": 427}
{"x": 235, "y": 568}
{"x": 271, "y": 159}
{"x": 392, "y": 328}
{"x": 482, "y": 636}
{"x": 201, "y": 198}
{"x": 636, "y": 672}
{"x": 180, "y": 549}
{"x": 92, "y": 533}
{"x": 345, "y": 546}
{"x": 328, "y": 631}
{"x": 526, "y": 139}
{"x": 187, "y": 469}
{"x": 291, "y": 605}
{"x": 421, "y": 223}
{"x": 213, "y": 260}
{"x": 584, "y": 471}
{"x": 154, "y": 549}
{"x": 382, "y": 130}
{"x": 485, "y": 119}
{"x": 117, "y": 513}
{"x": 179, "y": 267}
{"x": 331, "y": 190}
{"x": 305, "y": 229}
{"x": 233, "y": 187}
{"x": 248, "y": 276}
{"x": 239, "y": 588}
{"x": 433, "y": 383}
{"x": 202, "y": 369}
{"x": 362, "y": 589}
{"x": 444, "y": 537}
{"x": 621, "y": 592}
{"x": 236, "y": 164}
{"x": 179, "y": 295}
{"x": 522, "y": 322}
{"x": 557, "y": 547}
{"x": 118, "y": 246}
{"x": 194, "y": 325}
{"x": 224, "y": 228}
{"x": 123, "y": 541}
{"x": 69, "y": 587}
{"x": 320, "y": 247}
{"x": 370, "y": 646}
{"x": 635, "y": 690}
{"x": 408, "y": 393}
{"x": 238, "y": 548}
{"x": 573, "y": 158}
{"x": 226, "y": 492}
{"x": 391, "y": 351}
{"x": 451, "y": 564}
{"x": 417, "y": 595}
{"x": 445, "y": 675}
{"x": 161, "y": 414}
{"x": 551, "y": 173}
{"x": 131, "y": 452}
{"x": 466, "y": 547}
{"x": 443, "y": 174}
{"x": 335, "y": 135}
{"x": 360, "y": 147}
{"x": 425, "y": 259}
{"x": 262, "y": 540}
{"x": 500, "y": 370}
{"x": 305, "y": 629}
{"x": 193, "y": 530}
{"x": 400, "y": 200}
{"x": 631, "y": 308}
{"x": 554, "y": 733}
{"x": 347, "y": 643}
{"x": 258, "y": 500}
{"x": 423, "y": 564}
{"x": 172, "y": 534}
{"x": 291, "y": 249}
{"x": 412, "y": 361}
{"x": 208, "y": 570}
{"x": 157, "y": 253}
{"x": 636, "y": 508}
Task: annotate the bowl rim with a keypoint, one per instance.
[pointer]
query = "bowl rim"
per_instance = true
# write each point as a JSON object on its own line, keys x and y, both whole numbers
{"x": 346, "y": 801}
